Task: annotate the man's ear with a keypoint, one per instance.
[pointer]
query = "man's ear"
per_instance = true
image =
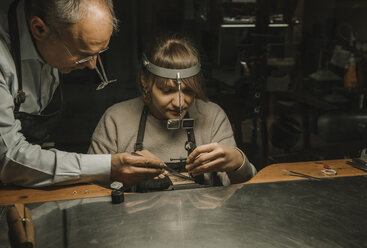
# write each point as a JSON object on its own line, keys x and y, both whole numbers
{"x": 38, "y": 28}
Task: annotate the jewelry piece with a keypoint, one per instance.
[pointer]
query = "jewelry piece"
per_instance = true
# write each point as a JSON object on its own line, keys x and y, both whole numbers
{"x": 329, "y": 172}
{"x": 146, "y": 95}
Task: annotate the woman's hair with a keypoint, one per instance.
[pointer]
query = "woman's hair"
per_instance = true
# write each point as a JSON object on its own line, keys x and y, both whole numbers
{"x": 173, "y": 52}
{"x": 60, "y": 14}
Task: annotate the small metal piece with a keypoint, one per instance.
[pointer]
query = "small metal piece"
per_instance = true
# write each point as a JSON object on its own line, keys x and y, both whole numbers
{"x": 178, "y": 159}
{"x": 75, "y": 192}
{"x": 189, "y": 146}
{"x": 329, "y": 172}
{"x": 105, "y": 83}
{"x": 173, "y": 124}
{"x": 179, "y": 93}
{"x": 25, "y": 219}
{"x": 116, "y": 185}
{"x": 117, "y": 193}
{"x": 186, "y": 123}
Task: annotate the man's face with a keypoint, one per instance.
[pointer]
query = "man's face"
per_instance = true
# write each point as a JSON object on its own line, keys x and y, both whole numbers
{"x": 165, "y": 100}
{"x": 84, "y": 39}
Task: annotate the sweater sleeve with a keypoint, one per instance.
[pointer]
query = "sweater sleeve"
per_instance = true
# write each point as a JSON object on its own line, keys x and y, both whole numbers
{"x": 104, "y": 139}
{"x": 222, "y": 133}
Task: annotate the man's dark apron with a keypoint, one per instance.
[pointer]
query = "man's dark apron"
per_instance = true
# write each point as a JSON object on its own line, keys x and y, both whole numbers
{"x": 161, "y": 184}
{"x": 36, "y": 128}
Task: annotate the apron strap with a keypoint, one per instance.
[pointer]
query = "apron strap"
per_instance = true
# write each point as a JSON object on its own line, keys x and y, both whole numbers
{"x": 190, "y": 144}
{"x": 15, "y": 50}
{"x": 140, "y": 137}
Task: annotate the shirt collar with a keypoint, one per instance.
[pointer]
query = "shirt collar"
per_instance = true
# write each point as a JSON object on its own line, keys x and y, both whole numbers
{"x": 27, "y": 47}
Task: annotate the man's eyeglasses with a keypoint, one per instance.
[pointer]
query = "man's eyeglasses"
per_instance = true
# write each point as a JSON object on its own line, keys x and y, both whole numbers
{"x": 103, "y": 75}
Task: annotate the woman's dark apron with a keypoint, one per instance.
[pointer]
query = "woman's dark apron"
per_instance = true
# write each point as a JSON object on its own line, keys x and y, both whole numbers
{"x": 165, "y": 183}
{"x": 36, "y": 128}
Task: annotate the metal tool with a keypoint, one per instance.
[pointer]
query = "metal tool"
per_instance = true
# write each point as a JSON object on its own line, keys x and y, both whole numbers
{"x": 299, "y": 174}
{"x": 357, "y": 165}
{"x": 177, "y": 174}
{"x": 361, "y": 162}
{"x": 170, "y": 170}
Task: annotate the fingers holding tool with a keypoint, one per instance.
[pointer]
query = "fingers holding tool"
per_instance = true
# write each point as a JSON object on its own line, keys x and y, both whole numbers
{"x": 213, "y": 157}
{"x": 133, "y": 168}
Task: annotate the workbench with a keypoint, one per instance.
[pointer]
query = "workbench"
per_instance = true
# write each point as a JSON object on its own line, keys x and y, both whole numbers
{"x": 273, "y": 209}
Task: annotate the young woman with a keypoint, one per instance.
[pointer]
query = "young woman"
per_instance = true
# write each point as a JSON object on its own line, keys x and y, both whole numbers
{"x": 174, "y": 121}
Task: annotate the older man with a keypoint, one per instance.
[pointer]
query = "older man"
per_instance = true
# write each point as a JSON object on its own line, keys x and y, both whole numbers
{"x": 39, "y": 39}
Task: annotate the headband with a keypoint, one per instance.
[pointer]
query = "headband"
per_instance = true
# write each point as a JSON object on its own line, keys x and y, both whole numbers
{"x": 170, "y": 73}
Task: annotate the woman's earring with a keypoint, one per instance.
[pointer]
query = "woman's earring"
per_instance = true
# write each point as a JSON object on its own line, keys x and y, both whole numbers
{"x": 146, "y": 95}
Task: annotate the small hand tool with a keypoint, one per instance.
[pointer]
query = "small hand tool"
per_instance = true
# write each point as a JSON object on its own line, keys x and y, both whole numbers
{"x": 357, "y": 165}
{"x": 177, "y": 174}
{"x": 170, "y": 170}
{"x": 298, "y": 174}
{"x": 361, "y": 162}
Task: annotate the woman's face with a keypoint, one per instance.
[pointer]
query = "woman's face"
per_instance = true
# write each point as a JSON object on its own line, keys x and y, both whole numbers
{"x": 165, "y": 100}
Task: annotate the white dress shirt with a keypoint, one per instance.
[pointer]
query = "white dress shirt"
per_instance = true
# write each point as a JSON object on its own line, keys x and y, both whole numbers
{"x": 22, "y": 163}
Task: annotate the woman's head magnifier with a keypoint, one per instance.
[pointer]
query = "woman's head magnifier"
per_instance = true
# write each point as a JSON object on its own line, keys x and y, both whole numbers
{"x": 177, "y": 74}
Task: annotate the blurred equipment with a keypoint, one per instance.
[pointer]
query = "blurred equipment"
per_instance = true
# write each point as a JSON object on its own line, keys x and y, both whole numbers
{"x": 350, "y": 77}
{"x": 21, "y": 231}
{"x": 340, "y": 57}
{"x": 361, "y": 162}
{"x": 339, "y": 126}
{"x": 285, "y": 133}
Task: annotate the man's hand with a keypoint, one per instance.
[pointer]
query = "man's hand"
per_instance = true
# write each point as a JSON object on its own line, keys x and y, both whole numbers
{"x": 133, "y": 168}
{"x": 212, "y": 158}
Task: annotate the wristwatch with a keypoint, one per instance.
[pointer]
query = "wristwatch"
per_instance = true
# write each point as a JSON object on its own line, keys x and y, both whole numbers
{"x": 117, "y": 193}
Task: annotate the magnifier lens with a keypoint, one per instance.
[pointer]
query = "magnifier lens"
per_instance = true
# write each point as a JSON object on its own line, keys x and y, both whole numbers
{"x": 173, "y": 123}
{"x": 187, "y": 123}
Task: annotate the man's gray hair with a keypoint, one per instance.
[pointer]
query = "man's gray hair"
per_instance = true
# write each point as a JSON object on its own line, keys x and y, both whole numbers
{"x": 59, "y": 14}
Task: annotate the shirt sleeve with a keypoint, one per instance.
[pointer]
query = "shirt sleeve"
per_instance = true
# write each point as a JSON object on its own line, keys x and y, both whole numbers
{"x": 25, "y": 164}
{"x": 222, "y": 133}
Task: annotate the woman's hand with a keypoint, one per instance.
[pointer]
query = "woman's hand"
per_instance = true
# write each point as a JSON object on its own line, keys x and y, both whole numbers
{"x": 212, "y": 158}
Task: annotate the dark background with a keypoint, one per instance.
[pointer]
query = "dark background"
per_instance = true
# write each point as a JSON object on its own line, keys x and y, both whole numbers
{"x": 279, "y": 112}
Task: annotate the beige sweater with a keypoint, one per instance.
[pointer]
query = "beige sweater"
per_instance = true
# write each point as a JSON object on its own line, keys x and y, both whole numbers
{"x": 117, "y": 130}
